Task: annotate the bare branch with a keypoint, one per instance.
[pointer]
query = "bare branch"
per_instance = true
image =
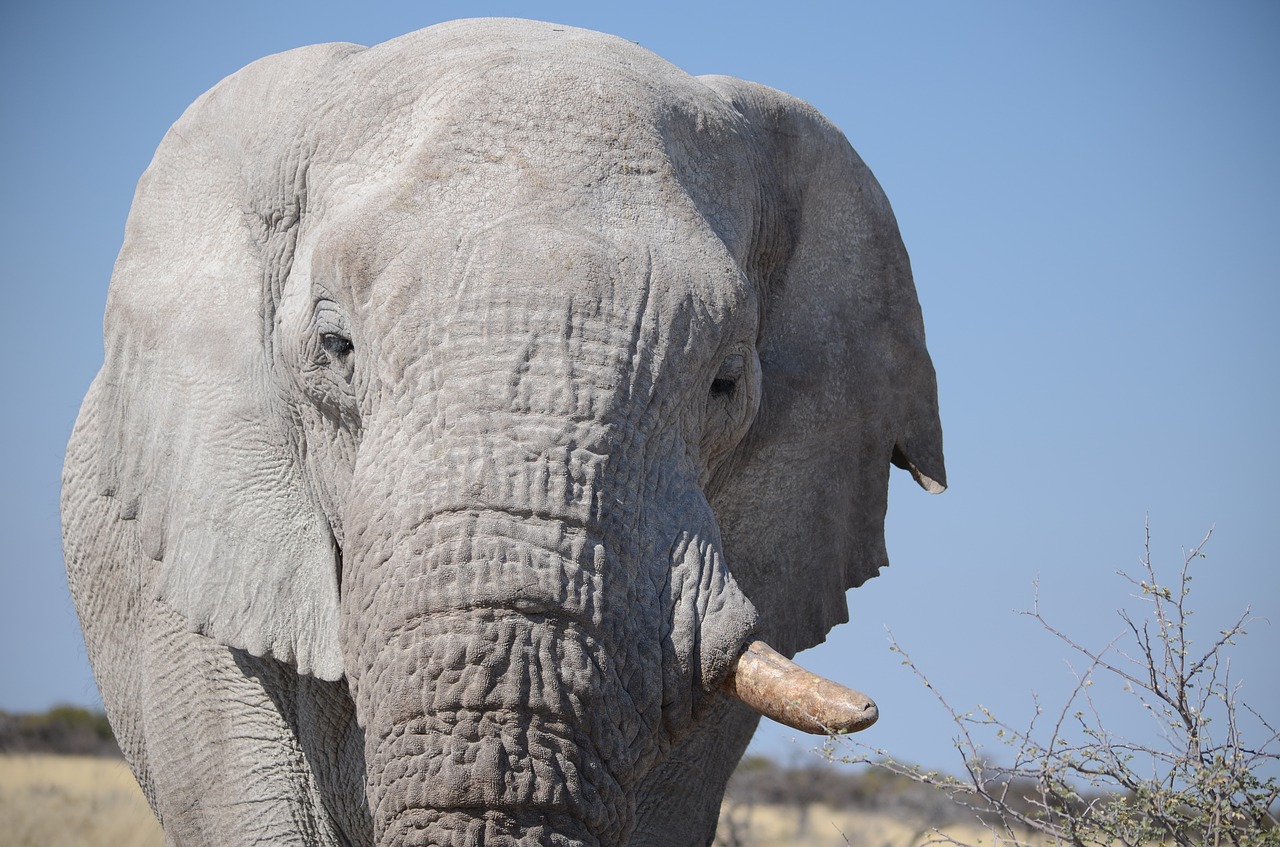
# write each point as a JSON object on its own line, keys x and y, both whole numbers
{"x": 1074, "y": 782}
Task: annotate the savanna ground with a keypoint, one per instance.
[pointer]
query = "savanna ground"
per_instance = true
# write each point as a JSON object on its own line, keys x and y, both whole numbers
{"x": 92, "y": 801}
{"x": 74, "y": 801}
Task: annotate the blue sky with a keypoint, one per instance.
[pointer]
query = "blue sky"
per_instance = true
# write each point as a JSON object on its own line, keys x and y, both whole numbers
{"x": 1089, "y": 195}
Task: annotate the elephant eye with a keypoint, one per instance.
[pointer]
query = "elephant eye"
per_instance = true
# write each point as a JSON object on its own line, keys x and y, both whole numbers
{"x": 337, "y": 346}
{"x": 731, "y": 402}
{"x": 723, "y": 386}
{"x": 726, "y": 380}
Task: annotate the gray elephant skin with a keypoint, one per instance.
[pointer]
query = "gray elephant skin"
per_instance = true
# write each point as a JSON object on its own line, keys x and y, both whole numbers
{"x": 469, "y": 403}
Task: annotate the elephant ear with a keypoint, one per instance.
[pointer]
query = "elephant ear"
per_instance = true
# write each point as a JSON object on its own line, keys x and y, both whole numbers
{"x": 847, "y": 383}
{"x": 194, "y": 443}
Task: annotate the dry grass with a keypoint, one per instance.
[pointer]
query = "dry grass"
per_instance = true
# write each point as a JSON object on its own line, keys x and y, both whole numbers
{"x": 73, "y": 801}
{"x": 820, "y": 826}
{"x": 78, "y": 801}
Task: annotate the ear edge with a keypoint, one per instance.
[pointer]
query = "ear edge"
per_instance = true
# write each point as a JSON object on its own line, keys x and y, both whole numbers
{"x": 190, "y": 512}
{"x": 221, "y": 616}
{"x": 847, "y": 547}
{"x": 934, "y": 482}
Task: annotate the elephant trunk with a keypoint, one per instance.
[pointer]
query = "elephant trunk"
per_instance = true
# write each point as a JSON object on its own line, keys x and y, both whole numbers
{"x": 493, "y": 692}
{"x": 454, "y": 761}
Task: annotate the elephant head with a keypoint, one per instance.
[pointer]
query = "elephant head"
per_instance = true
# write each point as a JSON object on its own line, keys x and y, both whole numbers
{"x": 521, "y": 380}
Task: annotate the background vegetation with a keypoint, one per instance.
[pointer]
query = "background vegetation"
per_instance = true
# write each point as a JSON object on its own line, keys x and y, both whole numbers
{"x": 63, "y": 730}
{"x": 1208, "y": 772}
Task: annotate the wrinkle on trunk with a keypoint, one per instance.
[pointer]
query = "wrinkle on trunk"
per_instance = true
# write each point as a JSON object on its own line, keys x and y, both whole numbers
{"x": 497, "y": 717}
{"x": 495, "y": 700}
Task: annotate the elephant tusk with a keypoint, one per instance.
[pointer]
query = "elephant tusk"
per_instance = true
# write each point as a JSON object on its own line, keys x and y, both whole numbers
{"x": 778, "y": 688}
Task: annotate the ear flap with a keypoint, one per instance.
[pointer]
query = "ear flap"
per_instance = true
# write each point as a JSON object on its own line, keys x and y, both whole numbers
{"x": 848, "y": 386}
{"x": 194, "y": 443}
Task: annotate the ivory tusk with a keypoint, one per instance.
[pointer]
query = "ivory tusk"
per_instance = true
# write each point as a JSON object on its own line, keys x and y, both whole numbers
{"x": 778, "y": 688}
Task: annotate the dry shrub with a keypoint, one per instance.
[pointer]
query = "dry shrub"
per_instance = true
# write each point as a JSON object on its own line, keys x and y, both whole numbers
{"x": 1068, "y": 777}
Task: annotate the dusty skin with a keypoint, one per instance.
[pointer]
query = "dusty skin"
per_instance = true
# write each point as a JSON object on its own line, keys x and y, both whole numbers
{"x": 470, "y": 402}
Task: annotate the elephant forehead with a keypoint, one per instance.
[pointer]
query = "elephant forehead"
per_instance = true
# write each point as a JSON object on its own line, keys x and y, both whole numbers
{"x": 478, "y": 116}
{"x": 510, "y": 133}
{"x": 533, "y": 304}
{"x": 480, "y": 76}
{"x": 505, "y": 60}
{"x": 439, "y": 245}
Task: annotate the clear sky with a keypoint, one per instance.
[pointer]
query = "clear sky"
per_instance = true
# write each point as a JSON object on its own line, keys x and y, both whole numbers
{"x": 1090, "y": 193}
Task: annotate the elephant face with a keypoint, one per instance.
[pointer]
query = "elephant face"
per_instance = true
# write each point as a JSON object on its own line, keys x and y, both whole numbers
{"x": 521, "y": 380}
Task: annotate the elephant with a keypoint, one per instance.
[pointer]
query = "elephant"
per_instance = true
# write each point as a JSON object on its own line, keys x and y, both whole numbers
{"x": 475, "y": 409}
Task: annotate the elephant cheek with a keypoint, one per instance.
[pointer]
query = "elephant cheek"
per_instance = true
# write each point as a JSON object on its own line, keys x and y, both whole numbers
{"x": 711, "y": 620}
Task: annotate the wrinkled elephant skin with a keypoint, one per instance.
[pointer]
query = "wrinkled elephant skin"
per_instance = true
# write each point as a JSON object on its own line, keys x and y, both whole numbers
{"x": 470, "y": 403}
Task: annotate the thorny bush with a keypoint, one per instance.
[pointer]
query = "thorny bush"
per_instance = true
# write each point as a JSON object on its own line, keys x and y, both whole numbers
{"x": 1071, "y": 781}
